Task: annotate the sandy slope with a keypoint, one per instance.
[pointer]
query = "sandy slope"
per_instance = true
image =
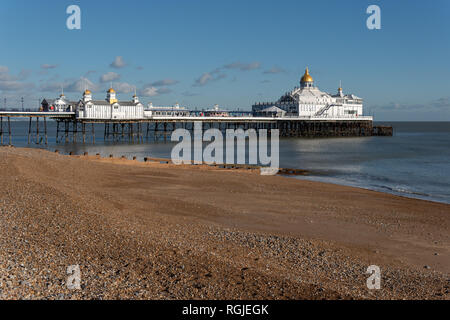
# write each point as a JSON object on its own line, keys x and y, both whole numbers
{"x": 140, "y": 230}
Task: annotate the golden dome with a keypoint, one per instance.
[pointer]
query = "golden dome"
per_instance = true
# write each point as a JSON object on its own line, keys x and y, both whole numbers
{"x": 87, "y": 91}
{"x": 306, "y": 77}
{"x": 111, "y": 90}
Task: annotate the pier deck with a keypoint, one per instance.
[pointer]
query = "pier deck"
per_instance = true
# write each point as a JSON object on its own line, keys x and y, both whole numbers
{"x": 133, "y": 129}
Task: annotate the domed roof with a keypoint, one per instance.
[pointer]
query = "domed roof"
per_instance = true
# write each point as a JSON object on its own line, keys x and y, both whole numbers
{"x": 111, "y": 90}
{"x": 87, "y": 91}
{"x": 306, "y": 77}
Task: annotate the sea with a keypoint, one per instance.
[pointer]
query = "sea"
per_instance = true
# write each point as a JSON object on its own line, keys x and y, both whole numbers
{"x": 414, "y": 162}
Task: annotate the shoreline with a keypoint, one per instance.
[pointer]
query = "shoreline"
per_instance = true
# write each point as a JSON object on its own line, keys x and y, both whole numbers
{"x": 162, "y": 231}
{"x": 287, "y": 172}
{"x": 398, "y": 194}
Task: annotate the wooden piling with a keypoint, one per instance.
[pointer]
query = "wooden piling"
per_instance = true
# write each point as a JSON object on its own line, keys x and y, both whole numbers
{"x": 57, "y": 132}
{"x": 93, "y": 133}
{"x": 37, "y": 130}
{"x": 9, "y": 129}
{"x": 45, "y": 130}
{"x": 83, "y": 129}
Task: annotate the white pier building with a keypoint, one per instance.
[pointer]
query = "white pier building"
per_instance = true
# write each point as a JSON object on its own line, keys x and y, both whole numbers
{"x": 307, "y": 101}
{"x": 110, "y": 108}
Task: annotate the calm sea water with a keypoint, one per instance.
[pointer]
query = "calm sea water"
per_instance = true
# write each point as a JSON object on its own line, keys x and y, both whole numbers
{"x": 415, "y": 162}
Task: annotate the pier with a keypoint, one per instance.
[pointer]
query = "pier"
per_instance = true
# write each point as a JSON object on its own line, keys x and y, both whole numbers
{"x": 69, "y": 128}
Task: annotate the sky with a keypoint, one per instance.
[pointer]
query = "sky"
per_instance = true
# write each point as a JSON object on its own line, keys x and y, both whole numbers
{"x": 232, "y": 53}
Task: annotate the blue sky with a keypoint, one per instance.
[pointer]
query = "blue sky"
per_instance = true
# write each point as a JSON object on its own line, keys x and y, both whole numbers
{"x": 233, "y": 53}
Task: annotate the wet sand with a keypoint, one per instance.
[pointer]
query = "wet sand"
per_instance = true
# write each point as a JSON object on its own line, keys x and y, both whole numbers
{"x": 161, "y": 231}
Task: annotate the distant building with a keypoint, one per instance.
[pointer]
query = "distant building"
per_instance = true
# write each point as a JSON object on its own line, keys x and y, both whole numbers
{"x": 173, "y": 111}
{"x": 60, "y": 104}
{"x": 273, "y": 111}
{"x": 308, "y": 101}
{"x": 216, "y": 112}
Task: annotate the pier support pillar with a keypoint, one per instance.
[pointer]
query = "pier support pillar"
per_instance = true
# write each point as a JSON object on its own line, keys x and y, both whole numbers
{"x": 9, "y": 129}
{"x": 93, "y": 133}
{"x": 45, "y": 130}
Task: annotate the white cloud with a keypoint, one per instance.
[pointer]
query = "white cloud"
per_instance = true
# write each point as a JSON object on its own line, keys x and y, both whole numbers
{"x": 12, "y": 83}
{"x": 243, "y": 66}
{"x": 165, "y": 82}
{"x": 440, "y": 104}
{"x": 80, "y": 85}
{"x": 274, "y": 70}
{"x": 110, "y": 76}
{"x": 218, "y": 74}
{"x": 123, "y": 87}
{"x": 151, "y": 91}
{"x": 48, "y": 66}
{"x": 204, "y": 79}
{"x": 208, "y": 77}
{"x": 118, "y": 62}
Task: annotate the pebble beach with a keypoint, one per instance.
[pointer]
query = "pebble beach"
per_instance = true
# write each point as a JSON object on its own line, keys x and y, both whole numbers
{"x": 161, "y": 231}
